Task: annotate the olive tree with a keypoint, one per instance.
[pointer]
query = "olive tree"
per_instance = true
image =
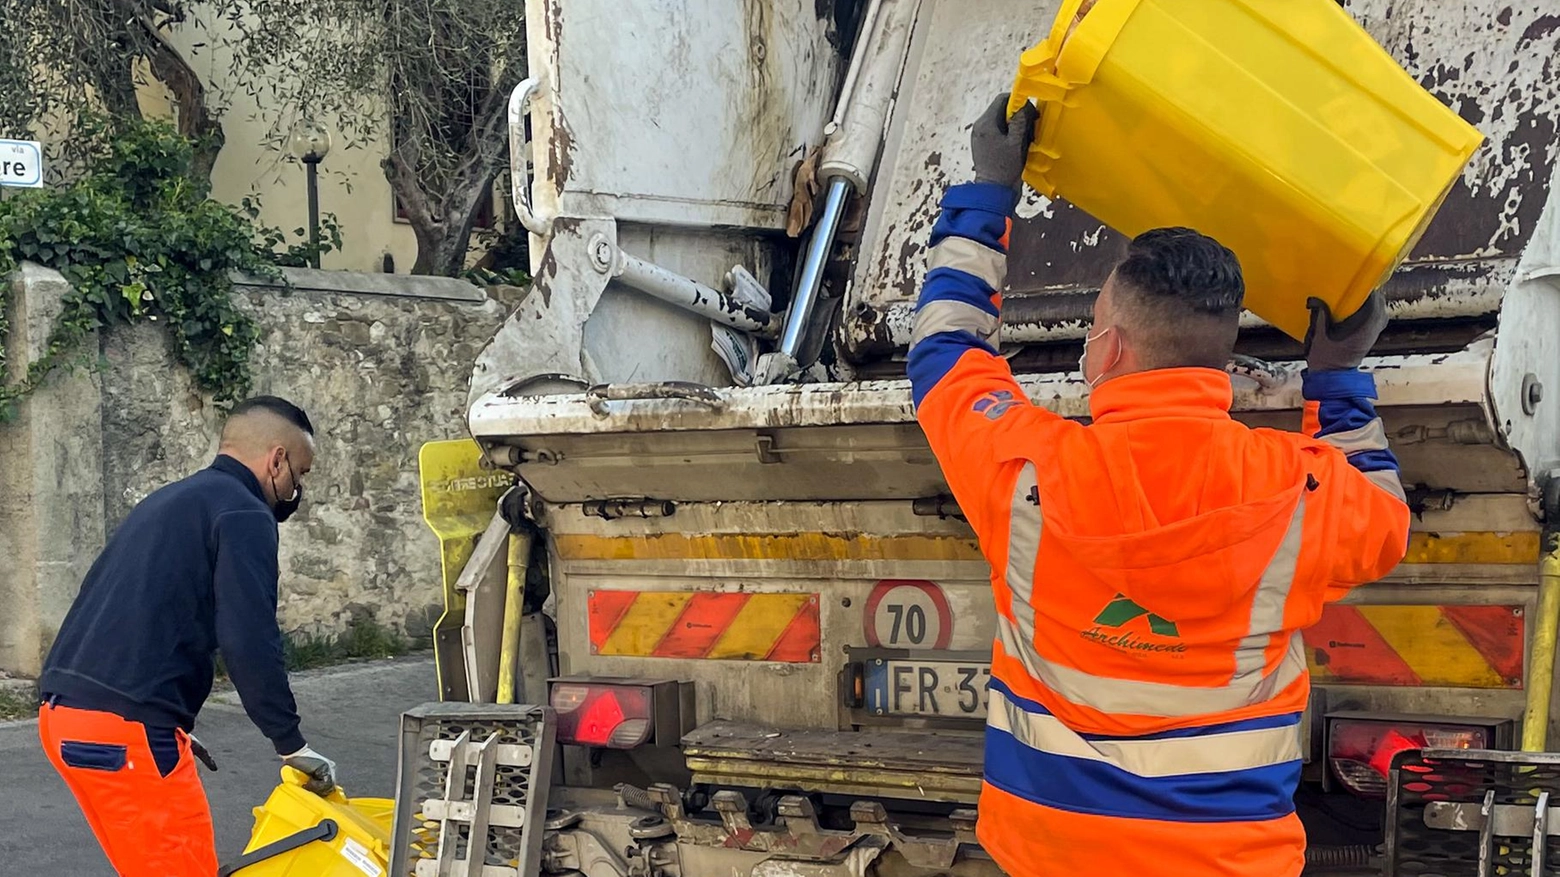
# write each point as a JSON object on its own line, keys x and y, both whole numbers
{"x": 430, "y": 77}
{"x": 63, "y": 57}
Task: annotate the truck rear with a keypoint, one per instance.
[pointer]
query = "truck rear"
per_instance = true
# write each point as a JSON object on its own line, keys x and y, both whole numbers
{"x": 702, "y": 524}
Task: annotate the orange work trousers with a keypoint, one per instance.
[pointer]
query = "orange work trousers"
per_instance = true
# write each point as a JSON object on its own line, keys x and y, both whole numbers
{"x": 148, "y": 824}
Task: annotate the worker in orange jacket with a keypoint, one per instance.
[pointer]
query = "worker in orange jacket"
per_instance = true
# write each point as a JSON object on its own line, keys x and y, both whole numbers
{"x": 1152, "y": 570}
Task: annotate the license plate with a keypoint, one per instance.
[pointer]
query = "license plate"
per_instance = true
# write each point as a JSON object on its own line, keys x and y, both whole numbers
{"x": 927, "y": 688}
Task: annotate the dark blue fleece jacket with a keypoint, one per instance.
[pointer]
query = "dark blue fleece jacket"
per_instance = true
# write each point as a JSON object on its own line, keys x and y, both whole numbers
{"x": 191, "y": 571}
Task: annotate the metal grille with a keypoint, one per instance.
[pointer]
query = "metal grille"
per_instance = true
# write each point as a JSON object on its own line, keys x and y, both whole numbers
{"x": 1458, "y": 813}
{"x": 471, "y": 790}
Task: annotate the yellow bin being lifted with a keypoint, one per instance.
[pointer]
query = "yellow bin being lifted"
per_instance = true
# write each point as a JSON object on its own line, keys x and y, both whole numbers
{"x": 1278, "y": 127}
{"x": 299, "y": 834}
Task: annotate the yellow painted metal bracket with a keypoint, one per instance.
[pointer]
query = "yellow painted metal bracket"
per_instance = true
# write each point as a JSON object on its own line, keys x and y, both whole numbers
{"x": 459, "y": 498}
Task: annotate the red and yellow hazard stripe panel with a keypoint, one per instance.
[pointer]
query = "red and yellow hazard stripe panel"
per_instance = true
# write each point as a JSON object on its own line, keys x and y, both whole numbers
{"x": 1454, "y": 646}
{"x": 1423, "y": 547}
{"x": 705, "y": 626}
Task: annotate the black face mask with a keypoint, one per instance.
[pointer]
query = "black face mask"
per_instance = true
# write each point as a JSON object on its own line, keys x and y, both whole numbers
{"x": 284, "y": 508}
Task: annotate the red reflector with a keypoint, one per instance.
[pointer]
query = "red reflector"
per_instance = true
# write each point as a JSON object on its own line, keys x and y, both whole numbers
{"x": 598, "y": 719}
{"x": 610, "y": 716}
{"x": 1390, "y": 745}
{"x": 1360, "y": 751}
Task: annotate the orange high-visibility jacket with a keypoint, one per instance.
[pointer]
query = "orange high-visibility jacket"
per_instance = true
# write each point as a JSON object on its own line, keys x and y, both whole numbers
{"x": 1151, "y": 573}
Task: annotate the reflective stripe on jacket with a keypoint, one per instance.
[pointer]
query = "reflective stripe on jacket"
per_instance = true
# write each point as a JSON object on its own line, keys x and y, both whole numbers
{"x": 1151, "y": 574}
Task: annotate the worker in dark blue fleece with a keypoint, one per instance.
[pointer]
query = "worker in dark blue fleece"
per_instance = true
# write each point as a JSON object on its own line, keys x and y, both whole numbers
{"x": 191, "y": 571}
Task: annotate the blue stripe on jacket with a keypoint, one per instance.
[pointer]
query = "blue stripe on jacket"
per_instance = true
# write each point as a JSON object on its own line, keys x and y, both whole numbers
{"x": 1345, "y": 400}
{"x": 978, "y": 212}
{"x": 1081, "y": 785}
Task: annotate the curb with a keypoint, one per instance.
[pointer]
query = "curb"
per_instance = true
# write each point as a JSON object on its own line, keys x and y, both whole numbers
{"x": 18, "y": 687}
{"x": 22, "y": 690}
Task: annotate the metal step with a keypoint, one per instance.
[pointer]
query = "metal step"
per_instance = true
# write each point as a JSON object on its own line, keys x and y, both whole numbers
{"x": 1474, "y": 812}
{"x": 471, "y": 790}
{"x": 923, "y": 765}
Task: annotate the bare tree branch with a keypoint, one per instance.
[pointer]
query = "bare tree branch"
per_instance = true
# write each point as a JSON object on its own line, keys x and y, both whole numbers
{"x": 196, "y": 119}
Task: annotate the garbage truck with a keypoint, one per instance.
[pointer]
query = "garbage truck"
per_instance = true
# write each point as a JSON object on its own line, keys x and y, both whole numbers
{"x": 700, "y": 525}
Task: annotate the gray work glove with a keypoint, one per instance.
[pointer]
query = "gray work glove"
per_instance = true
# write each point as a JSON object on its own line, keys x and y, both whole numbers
{"x": 321, "y": 770}
{"x": 1333, "y": 345}
{"x": 1001, "y": 145}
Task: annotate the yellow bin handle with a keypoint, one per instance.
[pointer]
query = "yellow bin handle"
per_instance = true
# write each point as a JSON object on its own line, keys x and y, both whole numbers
{"x": 294, "y": 777}
{"x": 1036, "y": 78}
{"x": 1040, "y": 74}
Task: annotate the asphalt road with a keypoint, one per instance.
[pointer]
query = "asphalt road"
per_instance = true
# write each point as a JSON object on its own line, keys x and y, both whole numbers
{"x": 351, "y": 714}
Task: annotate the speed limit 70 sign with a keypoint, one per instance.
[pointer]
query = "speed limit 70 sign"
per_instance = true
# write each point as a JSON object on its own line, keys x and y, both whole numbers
{"x": 908, "y": 614}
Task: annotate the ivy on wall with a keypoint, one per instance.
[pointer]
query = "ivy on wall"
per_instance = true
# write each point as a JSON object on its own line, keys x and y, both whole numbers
{"x": 138, "y": 238}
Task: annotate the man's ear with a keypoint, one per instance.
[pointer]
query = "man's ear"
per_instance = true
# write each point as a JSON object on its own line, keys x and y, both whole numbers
{"x": 1115, "y": 351}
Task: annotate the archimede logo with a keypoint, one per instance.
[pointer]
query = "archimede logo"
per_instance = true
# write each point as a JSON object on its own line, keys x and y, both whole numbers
{"x": 1120, "y": 612}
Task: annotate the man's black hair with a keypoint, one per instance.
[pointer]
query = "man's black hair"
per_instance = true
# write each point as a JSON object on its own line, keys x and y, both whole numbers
{"x": 275, "y": 405}
{"x": 1183, "y": 298}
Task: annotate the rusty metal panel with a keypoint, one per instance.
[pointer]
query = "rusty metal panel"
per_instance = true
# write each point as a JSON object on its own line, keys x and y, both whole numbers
{"x": 1493, "y": 63}
{"x": 860, "y": 441}
{"x": 837, "y": 551}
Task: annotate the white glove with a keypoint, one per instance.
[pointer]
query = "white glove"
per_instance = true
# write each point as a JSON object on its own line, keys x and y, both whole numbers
{"x": 320, "y": 770}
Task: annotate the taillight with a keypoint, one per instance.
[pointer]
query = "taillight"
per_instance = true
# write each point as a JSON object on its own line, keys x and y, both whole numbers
{"x": 617, "y": 714}
{"x": 1360, "y": 750}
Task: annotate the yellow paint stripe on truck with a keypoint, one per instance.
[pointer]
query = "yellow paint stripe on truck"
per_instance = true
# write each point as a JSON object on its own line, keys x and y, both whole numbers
{"x": 1519, "y": 547}
{"x": 705, "y": 625}
{"x": 1427, "y": 548}
{"x": 764, "y": 546}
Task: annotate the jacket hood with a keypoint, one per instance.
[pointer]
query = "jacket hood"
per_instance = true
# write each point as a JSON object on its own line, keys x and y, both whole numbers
{"x": 1195, "y": 568}
{"x": 1164, "y": 440}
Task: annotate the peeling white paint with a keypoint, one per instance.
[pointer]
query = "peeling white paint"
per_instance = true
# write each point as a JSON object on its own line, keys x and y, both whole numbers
{"x": 1438, "y": 379}
{"x": 1496, "y": 67}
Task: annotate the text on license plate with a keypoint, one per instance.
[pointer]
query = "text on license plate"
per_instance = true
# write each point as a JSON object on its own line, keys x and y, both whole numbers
{"x": 926, "y": 688}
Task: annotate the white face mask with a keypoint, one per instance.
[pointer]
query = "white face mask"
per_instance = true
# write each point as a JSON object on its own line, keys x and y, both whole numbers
{"x": 1084, "y": 357}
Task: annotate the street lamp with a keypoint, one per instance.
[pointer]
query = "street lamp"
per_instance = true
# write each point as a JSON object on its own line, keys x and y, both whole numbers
{"x": 311, "y": 143}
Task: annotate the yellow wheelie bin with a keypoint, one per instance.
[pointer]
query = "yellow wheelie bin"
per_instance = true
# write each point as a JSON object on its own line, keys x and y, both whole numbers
{"x": 300, "y": 834}
{"x": 1279, "y": 127}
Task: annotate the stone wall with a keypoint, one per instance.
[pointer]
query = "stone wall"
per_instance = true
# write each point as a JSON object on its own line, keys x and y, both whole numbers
{"x": 381, "y": 364}
{"x": 51, "y": 498}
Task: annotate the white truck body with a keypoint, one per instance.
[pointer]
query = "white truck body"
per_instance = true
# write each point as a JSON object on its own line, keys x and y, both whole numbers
{"x": 664, "y": 140}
